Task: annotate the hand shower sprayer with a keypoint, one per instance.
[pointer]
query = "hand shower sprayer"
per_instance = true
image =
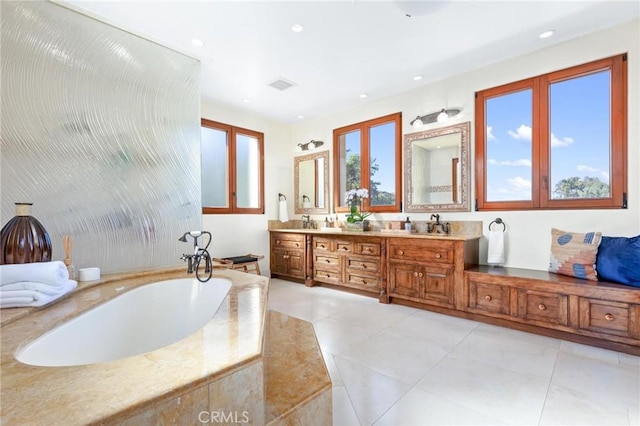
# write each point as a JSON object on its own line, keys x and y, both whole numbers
{"x": 193, "y": 260}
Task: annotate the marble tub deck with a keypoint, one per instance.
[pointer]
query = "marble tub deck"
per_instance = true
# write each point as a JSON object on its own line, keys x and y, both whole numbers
{"x": 237, "y": 368}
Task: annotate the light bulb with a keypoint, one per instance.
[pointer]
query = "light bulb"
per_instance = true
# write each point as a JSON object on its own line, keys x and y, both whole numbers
{"x": 299, "y": 148}
{"x": 312, "y": 145}
{"x": 443, "y": 116}
{"x": 417, "y": 123}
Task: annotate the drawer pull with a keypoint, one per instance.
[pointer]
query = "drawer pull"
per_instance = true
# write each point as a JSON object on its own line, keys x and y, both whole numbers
{"x": 278, "y": 242}
{"x": 400, "y": 252}
{"x": 297, "y": 244}
{"x": 321, "y": 245}
{"x": 327, "y": 260}
{"x": 328, "y": 275}
{"x": 345, "y": 248}
{"x": 420, "y": 274}
{"x": 364, "y": 281}
{"x": 438, "y": 255}
{"x": 608, "y": 317}
{"x": 363, "y": 266}
{"x": 542, "y": 307}
{"x": 415, "y": 274}
{"x": 488, "y": 298}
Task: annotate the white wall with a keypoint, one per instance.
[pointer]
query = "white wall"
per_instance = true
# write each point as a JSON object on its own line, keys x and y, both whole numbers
{"x": 528, "y": 237}
{"x": 235, "y": 235}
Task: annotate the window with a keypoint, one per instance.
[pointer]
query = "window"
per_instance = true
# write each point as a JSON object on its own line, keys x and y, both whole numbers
{"x": 368, "y": 155}
{"x": 232, "y": 169}
{"x": 556, "y": 141}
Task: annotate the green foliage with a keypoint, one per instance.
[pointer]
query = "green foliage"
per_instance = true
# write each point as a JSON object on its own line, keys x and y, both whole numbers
{"x": 354, "y": 180}
{"x": 576, "y": 187}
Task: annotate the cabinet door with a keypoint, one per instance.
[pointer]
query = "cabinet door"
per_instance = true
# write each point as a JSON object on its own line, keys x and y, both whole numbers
{"x": 296, "y": 263}
{"x": 404, "y": 280}
{"x": 279, "y": 262}
{"x": 437, "y": 284}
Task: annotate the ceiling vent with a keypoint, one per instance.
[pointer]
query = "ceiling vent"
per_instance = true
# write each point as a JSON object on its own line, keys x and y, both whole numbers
{"x": 281, "y": 84}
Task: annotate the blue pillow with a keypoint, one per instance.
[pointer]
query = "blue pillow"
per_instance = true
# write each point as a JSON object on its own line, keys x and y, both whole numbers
{"x": 618, "y": 260}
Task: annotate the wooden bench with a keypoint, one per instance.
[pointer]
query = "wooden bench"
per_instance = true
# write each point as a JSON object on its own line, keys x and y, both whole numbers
{"x": 247, "y": 263}
{"x": 597, "y": 313}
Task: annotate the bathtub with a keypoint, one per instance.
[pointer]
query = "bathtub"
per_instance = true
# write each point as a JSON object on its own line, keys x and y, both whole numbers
{"x": 138, "y": 321}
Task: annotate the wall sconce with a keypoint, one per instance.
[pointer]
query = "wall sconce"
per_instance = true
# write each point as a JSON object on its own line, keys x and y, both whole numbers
{"x": 309, "y": 146}
{"x": 435, "y": 117}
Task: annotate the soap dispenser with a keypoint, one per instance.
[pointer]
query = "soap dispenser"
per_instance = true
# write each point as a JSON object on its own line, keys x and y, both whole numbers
{"x": 407, "y": 225}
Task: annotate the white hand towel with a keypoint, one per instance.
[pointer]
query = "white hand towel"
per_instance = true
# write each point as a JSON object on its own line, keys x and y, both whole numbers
{"x": 53, "y": 273}
{"x": 31, "y": 298}
{"x": 283, "y": 215}
{"x": 495, "y": 254}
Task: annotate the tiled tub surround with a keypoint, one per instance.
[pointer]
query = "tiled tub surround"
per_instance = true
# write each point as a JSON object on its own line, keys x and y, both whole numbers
{"x": 219, "y": 372}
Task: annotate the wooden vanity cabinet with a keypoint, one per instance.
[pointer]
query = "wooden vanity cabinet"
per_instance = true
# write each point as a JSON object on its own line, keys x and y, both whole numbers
{"x": 288, "y": 255}
{"x": 348, "y": 261}
{"x": 422, "y": 271}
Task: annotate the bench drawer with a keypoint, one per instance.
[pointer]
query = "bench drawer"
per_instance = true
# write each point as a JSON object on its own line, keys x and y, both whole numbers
{"x": 605, "y": 316}
{"x": 543, "y": 307}
{"x": 488, "y": 298}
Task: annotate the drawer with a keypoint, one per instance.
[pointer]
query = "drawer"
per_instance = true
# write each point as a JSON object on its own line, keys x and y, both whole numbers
{"x": 542, "y": 306}
{"x": 321, "y": 244}
{"x": 343, "y": 246}
{"x": 488, "y": 298}
{"x": 322, "y": 261}
{"x": 286, "y": 241}
{"x": 363, "y": 266}
{"x": 364, "y": 282}
{"x": 367, "y": 249}
{"x": 327, "y": 275}
{"x": 422, "y": 251}
{"x": 605, "y": 316}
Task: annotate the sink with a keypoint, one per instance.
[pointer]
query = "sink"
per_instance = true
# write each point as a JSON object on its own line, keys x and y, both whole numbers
{"x": 329, "y": 229}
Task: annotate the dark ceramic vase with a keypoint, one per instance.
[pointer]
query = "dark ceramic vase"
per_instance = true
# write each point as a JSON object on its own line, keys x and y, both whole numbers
{"x": 23, "y": 239}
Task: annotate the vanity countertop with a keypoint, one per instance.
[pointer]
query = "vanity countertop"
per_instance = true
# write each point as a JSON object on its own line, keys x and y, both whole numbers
{"x": 106, "y": 391}
{"x": 383, "y": 234}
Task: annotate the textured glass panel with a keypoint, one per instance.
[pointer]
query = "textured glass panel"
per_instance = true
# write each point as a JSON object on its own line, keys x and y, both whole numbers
{"x": 247, "y": 171}
{"x": 101, "y": 131}
{"x": 215, "y": 154}
{"x": 382, "y": 166}
{"x": 509, "y": 148}
{"x": 580, "y": 125}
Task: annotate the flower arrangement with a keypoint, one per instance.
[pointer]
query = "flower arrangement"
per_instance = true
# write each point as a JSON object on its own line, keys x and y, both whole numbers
{"x": 354, "y": 198}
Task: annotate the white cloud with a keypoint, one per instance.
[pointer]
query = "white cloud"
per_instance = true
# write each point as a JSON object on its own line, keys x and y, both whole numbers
{"x": 523, "y": 162}
{"x": 522, "y": 133}
{"x": 584, "y": 168}
{"x": 519, "y": 183}
{"x": 490, "y": 136}
{"x": 560, "y": 142}
{"x": 605, "y": 175}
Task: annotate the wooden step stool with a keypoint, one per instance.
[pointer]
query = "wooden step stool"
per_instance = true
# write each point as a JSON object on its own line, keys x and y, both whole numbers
{"x": 247, "y": 263}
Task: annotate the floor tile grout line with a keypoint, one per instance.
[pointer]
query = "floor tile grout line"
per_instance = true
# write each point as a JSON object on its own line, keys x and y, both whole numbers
{"x": 546, "y": 395}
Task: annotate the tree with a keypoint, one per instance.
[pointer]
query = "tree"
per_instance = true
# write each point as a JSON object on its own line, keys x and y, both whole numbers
{"x": 576, "y": 187}
{"x": 354, "y": 181}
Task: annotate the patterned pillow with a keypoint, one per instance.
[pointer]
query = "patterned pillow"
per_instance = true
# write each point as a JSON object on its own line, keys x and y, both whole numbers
{"x": 574, "y": 254}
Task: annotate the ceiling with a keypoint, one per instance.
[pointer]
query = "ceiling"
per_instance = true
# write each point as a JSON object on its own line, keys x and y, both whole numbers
{"x": 347, "y": 48}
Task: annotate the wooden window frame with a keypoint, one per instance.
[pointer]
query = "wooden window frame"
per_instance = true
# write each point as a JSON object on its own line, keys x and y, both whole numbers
{"x": 364, "y": 127}
{"x": 541, "y": 147}
{"x": 232, "y": 132}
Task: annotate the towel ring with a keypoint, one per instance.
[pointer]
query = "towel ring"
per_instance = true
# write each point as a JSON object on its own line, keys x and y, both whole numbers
{"x": 499, "y": 222}
{"x": 281, "y": 197}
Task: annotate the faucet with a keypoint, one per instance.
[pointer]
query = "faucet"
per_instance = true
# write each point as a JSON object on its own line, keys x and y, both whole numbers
{"x": 193, "y": 260}
{"x": 437, "y": 216}
{"x": 306, "y": 219}
{"x": 433, "y": 227}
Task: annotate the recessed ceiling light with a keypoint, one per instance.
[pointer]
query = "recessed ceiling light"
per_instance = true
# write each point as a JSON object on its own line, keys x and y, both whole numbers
{"x": 301, "y": 116}
{"x": 417, "y": 77}
{"x": 364, "y": 95}
{"x": 197, "y": 42}
{"x": 547, "y": 34}
{"x": 246, "y": 101}
{"x": 297, "y": 28}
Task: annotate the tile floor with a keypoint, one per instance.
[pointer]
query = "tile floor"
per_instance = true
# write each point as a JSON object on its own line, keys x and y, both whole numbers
{"x": 395, "y": 365}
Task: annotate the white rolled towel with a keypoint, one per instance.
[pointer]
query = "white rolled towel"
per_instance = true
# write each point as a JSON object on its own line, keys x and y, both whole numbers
{"x": 52, "y": 273}
{"x": 33, "y": 298}
{"x": 29, "y": 285}
{"x": 283, "y": 214}
{"x": 495, "y": 255}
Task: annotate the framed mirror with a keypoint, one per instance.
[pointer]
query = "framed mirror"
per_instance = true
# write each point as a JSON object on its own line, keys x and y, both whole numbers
{"x": 437, "y": 169}
{"x": 311, "y": 182}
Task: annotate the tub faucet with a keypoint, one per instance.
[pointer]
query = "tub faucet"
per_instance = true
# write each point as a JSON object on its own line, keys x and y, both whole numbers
{"x": 199, "y": 254}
